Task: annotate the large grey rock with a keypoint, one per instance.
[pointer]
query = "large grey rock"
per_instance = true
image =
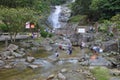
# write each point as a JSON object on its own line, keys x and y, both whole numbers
{"x": 17, "y": 55}
{"x": 100, "y": 61}
{"x": 110, "y": 46}
{"x": 5, "y": 54}
{"x": 12, "y": 47}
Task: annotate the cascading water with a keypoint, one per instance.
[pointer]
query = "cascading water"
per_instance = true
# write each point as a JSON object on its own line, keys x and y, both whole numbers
{"x": 54, "y": 17}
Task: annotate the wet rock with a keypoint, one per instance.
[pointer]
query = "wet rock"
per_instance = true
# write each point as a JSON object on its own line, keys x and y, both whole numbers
{"x": 2, "y": 63}
{"x": 115, "y": 78}
{"x": 20, "y": 66}
{"x": 48, "y": 48}
{"x": 50, "y": 77}
{"x": 5, "y": 54}
{"x": 8, "y": 66}
{"x": 17, "y": 55}
{"x": 100, "y": 61}
{"x": 12, "y": 47}
{"x": 63, "y": 70}
{"x": 10, "y": 57}
{"x": 33, "y": 66}
{"x": 61, "y": 76}
{"x": 115, "y": 72}
{"x": 84, "y": 63}
{"x": 110, "y": 46}
{"x": 30, "y": 59}
{"x": 65, "y": 14}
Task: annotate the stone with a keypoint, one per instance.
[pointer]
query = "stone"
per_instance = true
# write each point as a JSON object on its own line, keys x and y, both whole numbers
{"x": 17, "y": 55}
{"x": 20, "y": 66}
{"x": 63, "y": 70}
{"x": 5, "y": 54}
{"x": 30, "y": 59}
{"x": 2, "y": 63}
{"x": 110, "y": 46}
{"x": 8, "y": 66}
{"x": 61, "y": 76}
{"x": 10, "y": 57}
{"x": 50, "y": 77}
{"x": 33, "y": 66}
{"x": 12, "y": 47}
{"x": 48, "y": 48}
{"x": 115, "y": 72}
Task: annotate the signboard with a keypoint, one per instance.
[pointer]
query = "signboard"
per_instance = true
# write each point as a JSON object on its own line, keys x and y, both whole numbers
{"x": 81, "y": 30}
{"x": 27, "y": 26}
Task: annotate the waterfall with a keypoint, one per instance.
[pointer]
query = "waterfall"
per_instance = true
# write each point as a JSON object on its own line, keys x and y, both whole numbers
{"x": 60, "y": 15}
{"x": 54, "y": 17}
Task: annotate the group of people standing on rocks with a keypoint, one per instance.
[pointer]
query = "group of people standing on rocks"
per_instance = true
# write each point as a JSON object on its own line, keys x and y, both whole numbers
{"x": 69, "y": 50}
{"x": 96, "y": 49}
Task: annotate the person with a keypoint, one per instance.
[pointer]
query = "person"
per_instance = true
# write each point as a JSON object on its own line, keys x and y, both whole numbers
{"x": 56, "y": 53}
{"x": 82, "y": 45}
{"x": 69, "y": 50}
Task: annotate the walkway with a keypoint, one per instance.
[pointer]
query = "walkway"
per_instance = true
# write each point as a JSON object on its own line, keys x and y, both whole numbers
{"x": 4, "y": 37}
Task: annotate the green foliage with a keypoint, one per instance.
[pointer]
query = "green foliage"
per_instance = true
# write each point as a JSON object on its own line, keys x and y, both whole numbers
{"x": 96, "y": 9}
{"x": 116, "y": 20}
{"x": 3, "y": 28}
{"x": 44, "y": 34}
{"x": 15, "y": 19}
{"x": 104, "y": 26}
{"x": 81, "y": 7}
{"x": 78, "y": 18}
{"x": 101, "y": 73}
{"x": 57, "y": 2}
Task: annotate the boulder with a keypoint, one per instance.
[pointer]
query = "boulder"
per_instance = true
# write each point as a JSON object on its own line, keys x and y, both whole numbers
{"x": 30, "y": 59}
{"x": 5, "y": 54}
{"x": 2, "y": 63}
{"x": 50, "y": 77}
{"x": 61, "y": 76}
{"x": 20, "y": 65}
{"x": 33, "y": 66}
{"x": 12, "y": 47}
{"x": 8, "y": 66}
{"x": 17, "y": 55}
{"x": 110, "y": 46}
{"x": 63, "y": 70}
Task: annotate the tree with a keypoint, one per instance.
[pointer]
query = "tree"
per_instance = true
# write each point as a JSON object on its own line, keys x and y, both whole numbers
{"x": 15, "y": 19}
{"x": 81, "y": 7}
{"x": 105, "y": 8}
